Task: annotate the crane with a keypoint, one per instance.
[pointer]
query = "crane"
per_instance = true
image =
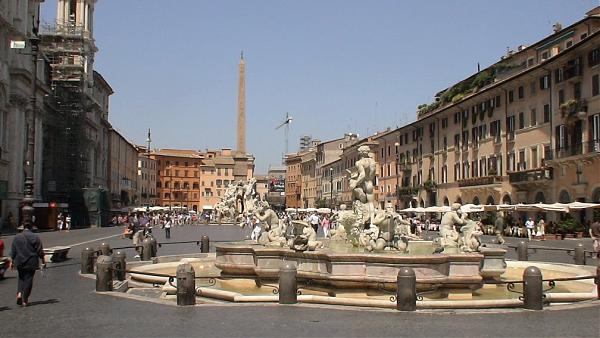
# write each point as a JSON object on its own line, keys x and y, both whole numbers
{"x": 286, "y": 123}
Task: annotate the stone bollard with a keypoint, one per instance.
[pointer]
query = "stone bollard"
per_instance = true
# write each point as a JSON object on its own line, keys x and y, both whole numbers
{"x": 105, "y": 249}
{"x": 104, "y": 273}
{"x": 579, "y": 256}
{"x": 186, "y": 284}
{"x": 533, "y": 295}
{"x": 154, "y": 246}
{"x": 522, "y": 251}
{"x": 288, "y": 284}
{"x": 406, "y": 290}
{"x": 87, "y": 260}
{"x": 119, "y": 263}
{"x": 204, "y": 244}
{"x": 146, "y": 249}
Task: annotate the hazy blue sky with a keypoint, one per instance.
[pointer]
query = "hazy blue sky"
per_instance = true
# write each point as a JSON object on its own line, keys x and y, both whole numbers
{"x": 336, "y": 66}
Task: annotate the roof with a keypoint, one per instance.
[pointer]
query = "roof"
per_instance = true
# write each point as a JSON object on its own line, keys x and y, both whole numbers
{"x": 178, "y": 153}
{"x": 103, "y": 82}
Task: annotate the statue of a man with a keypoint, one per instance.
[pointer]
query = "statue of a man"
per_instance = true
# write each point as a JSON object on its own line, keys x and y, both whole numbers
{"x": 362, "y": 183}
{"x": 448, "y": 234}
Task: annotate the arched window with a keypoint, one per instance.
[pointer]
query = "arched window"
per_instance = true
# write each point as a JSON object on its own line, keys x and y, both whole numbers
{"x": 446, "y": 201}
{"x": 540, "y": 198}
{"x": 564, "y": 197}
{"x": 490, "y": 200}
{"x": 506, "y": 199}
{"x": 476, "y": 200}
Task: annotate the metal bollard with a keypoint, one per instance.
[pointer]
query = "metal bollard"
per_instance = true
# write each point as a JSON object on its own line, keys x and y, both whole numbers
{"x": 287, "y": 284}
{"x": 87, "y": 260}
{"x": 103, "y": 273}
{"x": 105, "y": 249}
{"x": 120, "y": 264}
{"x": 186, "y": 285}
{"x": 204, "y": 244}
{"x": 406, "y": 290}
{"x": 579, "y": 256}
{"x": 146, "y": 249}
{"x": 533, "y": 295}
{"x": 154, "y": 246}
{"x": 522, "y": 251}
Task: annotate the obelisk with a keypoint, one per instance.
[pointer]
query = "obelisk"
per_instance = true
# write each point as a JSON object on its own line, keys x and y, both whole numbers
{"x": 241, "y": 118}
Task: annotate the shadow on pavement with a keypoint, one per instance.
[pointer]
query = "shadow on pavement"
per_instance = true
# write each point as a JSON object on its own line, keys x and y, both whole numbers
{"x": 4, "y": 308}
{"x": 43, "y": 302}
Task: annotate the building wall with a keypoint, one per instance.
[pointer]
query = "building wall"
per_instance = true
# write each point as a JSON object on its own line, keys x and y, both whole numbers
{"x": 123, "y": 173}
{"x": 293, "y": 181}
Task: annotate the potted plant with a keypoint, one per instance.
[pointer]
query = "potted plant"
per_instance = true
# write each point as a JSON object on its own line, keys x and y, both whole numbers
{"x": 567, "y": 227}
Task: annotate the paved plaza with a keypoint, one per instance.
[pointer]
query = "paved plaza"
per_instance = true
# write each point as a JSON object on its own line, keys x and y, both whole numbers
{"x": 64, "y": 304}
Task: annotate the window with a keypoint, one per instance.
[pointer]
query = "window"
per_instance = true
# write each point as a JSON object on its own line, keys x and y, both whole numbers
{"x": 185, "y": 164}
{"x": 510, "y": 123}
{"x": 521, "y": 91}
{"x": 495, "y": 131}
{"x": 559, "y": 75}
{"x": 577, "y": 90}
{"x": 444, "y": 123}
{"x": 497, "y": 101}
{"x": 456, "y": 140}
{"x": 561, "y": 96}
{"x": 511, "y": 96}
{"x": 533, "y": 120}
{"x": 546, "y": 113}
{"x": 595, "y": 85}
{"x": 569, "y": 43}
{"x": 545, "y": 82}
{"x": 522, "y": 161}
{"x": 594, "y": 57}
{"x": 545, "y": 55}
{"x": 444, "y": 174}
{"x": 456, "y": 117}
{"x": 530, "y": 62}
{"x": 510, "y": 166}
{"x": 533, "y": 86}
{"x": 457, "y": 171}
{"x": 521, "y": 120}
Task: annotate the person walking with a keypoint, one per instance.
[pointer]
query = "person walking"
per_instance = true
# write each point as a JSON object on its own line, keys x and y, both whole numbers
{"x": 314, "y": 221}
{"x": 167, "y": 227}
{"x": 26, "y": 252}
{"x": 595, "y": 235}
{"x": 325, "y": 224}
{"x": 530, "y": 225}
{"x": 541, "y": 230}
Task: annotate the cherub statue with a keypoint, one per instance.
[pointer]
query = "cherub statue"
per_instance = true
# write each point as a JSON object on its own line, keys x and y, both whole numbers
{"x": 469, "y": 240}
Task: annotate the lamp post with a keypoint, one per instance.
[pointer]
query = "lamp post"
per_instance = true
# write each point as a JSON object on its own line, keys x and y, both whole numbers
{"x": 28, "y": 189}
{"x": 331, "y": 188}
{"x": 397, "y": 144}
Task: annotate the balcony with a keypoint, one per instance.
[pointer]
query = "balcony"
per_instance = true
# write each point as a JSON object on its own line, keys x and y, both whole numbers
{"x": 539, "y": 175}
{"x": 405, "y": 167}
{"x": 569, "y": 150}
{"x": 407, "y": 191}
{"x": 476, "y": 181}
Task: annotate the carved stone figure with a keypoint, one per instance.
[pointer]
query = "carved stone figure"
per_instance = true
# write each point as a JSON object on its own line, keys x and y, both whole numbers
{"x": 345, "y": 219}
{"x": 307, "y": 240}
{"x": 469, "y": 239}
{"x": 448, "y": 235}
{"x": 361, "y": 183}
{"x": 274, "y": 229}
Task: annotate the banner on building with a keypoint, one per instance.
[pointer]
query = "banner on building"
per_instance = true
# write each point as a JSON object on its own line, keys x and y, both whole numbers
{"x": 276, "y": 184}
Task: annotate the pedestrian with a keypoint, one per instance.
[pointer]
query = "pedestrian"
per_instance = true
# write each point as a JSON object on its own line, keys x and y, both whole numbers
{"x": 68, "y": 222}
{"x": 325, "y": 224}
{"x": 595, "y": 235}
{"x": 541, "y": 229}
{"x": 314, "y": 221}
{"x": 530, "y": 225}
{"x": 167, "y": 227}
{"x": 26, "y": 252}
{"x": 4, "y": 260}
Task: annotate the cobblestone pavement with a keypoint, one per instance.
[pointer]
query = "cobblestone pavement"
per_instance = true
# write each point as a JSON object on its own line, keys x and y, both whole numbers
{"x": 63, "y": 304}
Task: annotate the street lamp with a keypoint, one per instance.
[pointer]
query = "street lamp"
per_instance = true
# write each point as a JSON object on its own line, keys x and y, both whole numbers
{"x": 397, "y": 144}
{"x": 28, "y": 193}
{"x": 331, "y": 188}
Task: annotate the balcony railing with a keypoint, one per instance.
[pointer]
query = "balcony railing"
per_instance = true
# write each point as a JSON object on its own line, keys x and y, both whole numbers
{"x": 485, "y": 180}
{"x": 408, "y": 191}
{"x": 532, "y": 175}
{"x": 405, "y": 167}
{"x": 569, "y": 150}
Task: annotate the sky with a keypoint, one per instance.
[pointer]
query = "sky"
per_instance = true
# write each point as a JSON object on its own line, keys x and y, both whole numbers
{"x": 336, "y": 66}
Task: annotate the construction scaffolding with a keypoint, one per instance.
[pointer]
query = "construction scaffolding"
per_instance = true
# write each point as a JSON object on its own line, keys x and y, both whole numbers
{"x": 68, "y": 50}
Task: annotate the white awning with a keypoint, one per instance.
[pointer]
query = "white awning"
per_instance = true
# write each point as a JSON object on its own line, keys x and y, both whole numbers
{"x": 207, "y": 207}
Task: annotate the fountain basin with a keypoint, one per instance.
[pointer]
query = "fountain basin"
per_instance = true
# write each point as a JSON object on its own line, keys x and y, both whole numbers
{"x": 353, "y": 270}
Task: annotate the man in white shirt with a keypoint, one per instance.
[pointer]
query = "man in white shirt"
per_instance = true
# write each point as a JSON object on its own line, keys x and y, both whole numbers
{"x": 314, "y": 221}
{"x": 529, "y": 225}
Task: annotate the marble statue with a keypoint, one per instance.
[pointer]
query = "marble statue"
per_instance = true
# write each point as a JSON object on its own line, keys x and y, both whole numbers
{"x": 345, "y": 219}
{"x": 449, "y": 237}
{"x": 238, "y": 201}
{"x": 395, "y": 231}
{"x": 361, "y": 181}
{"x": 307, "y": 240}
{"x": 470, "y": 233}
{"x": 274, "y": 229}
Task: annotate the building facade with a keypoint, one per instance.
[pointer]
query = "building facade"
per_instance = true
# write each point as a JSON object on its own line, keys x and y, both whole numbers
{"x": 123, "y": 179}
{"x": 523, "y": 130}
{"x": 293, "y": 181}
{"x": 16, "y": 72}
{"x": 146, "y": 178}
